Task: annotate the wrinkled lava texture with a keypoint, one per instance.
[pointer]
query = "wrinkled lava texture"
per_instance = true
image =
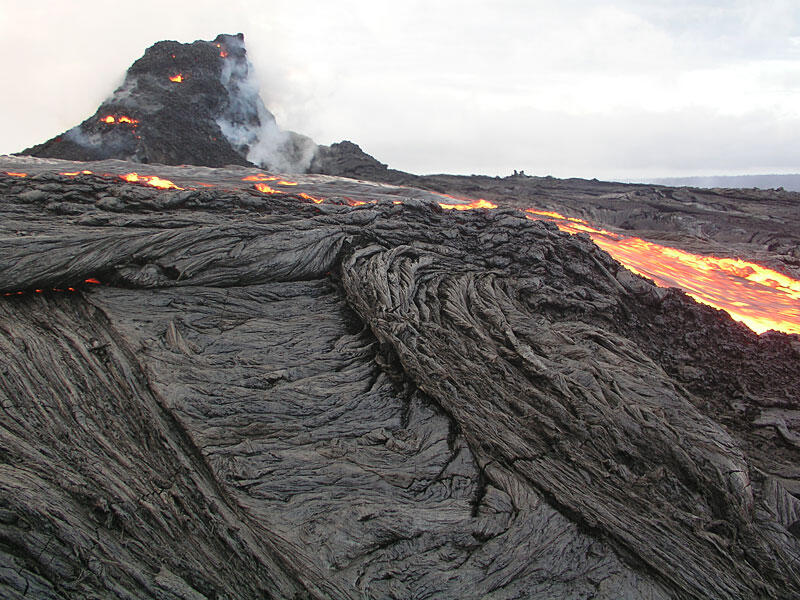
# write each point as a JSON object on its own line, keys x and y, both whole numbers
{"x": 215, "y": 392}
{"x": 268, "y": 397}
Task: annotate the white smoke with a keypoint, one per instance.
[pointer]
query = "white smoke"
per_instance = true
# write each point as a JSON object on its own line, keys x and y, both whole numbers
{"x": 93, "y": 140}
{"x": 249, "y": 127}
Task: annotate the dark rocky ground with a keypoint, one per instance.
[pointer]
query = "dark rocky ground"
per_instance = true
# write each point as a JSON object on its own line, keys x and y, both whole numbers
{"x": 266, "y": 397}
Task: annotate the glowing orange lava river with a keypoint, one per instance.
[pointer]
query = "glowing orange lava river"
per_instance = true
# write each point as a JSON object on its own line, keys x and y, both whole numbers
{"x": 759, "y": 297}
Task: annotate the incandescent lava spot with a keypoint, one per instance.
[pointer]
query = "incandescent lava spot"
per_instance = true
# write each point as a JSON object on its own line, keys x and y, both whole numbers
{"x": 151, "y": 180}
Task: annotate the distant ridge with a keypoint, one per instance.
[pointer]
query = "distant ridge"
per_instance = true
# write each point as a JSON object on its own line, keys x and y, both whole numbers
{"x": 790, "y": 182}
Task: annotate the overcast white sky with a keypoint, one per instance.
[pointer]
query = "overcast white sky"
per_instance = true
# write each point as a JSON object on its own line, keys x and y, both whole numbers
{"x": 620, "y": 89}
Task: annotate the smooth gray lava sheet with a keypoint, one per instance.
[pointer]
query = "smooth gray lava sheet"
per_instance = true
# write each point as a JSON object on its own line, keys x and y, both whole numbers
{"x": 266, "y": 397}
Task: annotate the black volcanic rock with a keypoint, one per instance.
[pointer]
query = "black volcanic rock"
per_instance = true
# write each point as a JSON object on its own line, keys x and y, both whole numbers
{"x": 346, "y": 159}
{"x": 213, "y": 116}
{"x": 273, "y": 398}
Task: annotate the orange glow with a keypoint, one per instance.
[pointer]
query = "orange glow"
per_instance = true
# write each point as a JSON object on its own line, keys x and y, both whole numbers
{"x": 283, "y": 182}
{"x": 351, "y": 202}
{"x": 265, "y": 189}
{"x": 16, "y": 174}
{"x": 259, "y": 177}
{"x": 151, "y": 180}
{"x": 480, "y": 203}
{"x": 759, "y": 297}
{"x": 555, "y": 215}
{"x": 223, "y": 54}
{"x": 312, "y": 198}
{"x": 58, "y": 290}
{"x": 111, "y": 119}
{"x": 200, "y": 183}
{"x": 177, "y": 78}
{"x": 73, "y": 173}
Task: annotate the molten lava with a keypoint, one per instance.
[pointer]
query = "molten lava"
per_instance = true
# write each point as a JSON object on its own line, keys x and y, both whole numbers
{"x": 16, "y": 174}
{"x": 265, "y": 189}
{"x": 91, "y": 280}
{"x": 111, "y": 120}
{"x": 177, "y": 78}
{"x": 74, "y": 173}
{"x": 284, "y": 182}
{"x": 759, "y": 297}
{"x": 480, "y": 203}
{"x": 312, "y": 198}
{"x": 151, "y": 180}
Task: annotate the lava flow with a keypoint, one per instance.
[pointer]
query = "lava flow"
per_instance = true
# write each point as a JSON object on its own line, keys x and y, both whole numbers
{"x": 312, "y": 198}
{"x": 759, "y": 297}
{"x": 151, "y": 180}
{"x": 177, "y": 78}
{"x": 265, "y": 189}
{"x": 480, "y": 203}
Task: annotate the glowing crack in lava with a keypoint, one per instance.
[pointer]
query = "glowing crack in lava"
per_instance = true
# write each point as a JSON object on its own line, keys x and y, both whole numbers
{"x": 123, "y": 119}
{"x": 16, "y": 174}
{"x": 74, "y": 173}
{"x": 91, "y": 280}
{"x": 759, "y": 297}
{"x": 312, "y": 198}
{"x": 177, "y": 78}
{"x": 151, "y": 180}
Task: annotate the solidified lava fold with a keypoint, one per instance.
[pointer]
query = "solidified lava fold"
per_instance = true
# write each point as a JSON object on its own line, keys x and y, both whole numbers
{"x": 269, "y": 398}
